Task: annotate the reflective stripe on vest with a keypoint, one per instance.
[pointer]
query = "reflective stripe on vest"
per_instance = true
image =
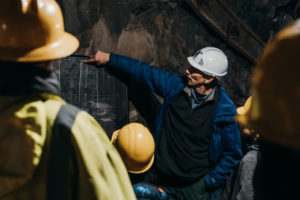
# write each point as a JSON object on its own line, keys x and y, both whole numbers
{"x": 60, "y": 153}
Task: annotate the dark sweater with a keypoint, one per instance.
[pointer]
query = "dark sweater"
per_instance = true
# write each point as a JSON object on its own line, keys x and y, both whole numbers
{"x": 183, "y": 149}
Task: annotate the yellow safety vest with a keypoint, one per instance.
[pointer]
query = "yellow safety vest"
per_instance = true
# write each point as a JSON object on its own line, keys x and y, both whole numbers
{"x": 95, "y": 169}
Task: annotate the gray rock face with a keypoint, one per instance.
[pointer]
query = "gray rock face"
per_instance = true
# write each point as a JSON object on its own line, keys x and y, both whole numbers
{"x": 165, "y": 32}
{"x": 266, "y": 17}
{"x": 279, "y": 3}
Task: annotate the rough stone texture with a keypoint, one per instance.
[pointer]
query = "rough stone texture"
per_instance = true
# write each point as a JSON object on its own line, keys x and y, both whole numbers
{"x": 266, "y": 17}
{"x": 165, "y": 32}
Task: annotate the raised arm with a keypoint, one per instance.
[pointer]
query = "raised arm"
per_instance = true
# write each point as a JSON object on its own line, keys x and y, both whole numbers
{"x": 159, "y": 81}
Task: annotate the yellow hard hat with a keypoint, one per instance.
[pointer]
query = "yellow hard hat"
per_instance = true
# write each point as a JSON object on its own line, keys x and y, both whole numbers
{"x": 243, "y": 109}
{"x": 33, "y": 31}
{"x": 275, "y": 110}
{"x": 136, "y": 147}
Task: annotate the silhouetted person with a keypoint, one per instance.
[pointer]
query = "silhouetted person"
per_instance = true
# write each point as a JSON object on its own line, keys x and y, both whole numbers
{"x": 48, "y": 149}
{"x": 275, "y": 114}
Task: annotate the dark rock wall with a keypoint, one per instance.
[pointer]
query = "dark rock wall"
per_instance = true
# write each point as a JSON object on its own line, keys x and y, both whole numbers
{"x": 266, "y": 17}
{"x": 165, "y": 32}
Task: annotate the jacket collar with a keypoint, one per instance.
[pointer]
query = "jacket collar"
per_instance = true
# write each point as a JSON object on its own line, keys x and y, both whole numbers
{"x": 225, "y": 110}
{"x": 209, "y": 97}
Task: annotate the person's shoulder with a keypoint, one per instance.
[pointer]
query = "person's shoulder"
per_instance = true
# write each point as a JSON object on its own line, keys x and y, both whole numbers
{"x": 224, "y": 98}
{"x": 225, "y": 106}
{"x": 87, "y": 125}
{"x": 225, "y": 101}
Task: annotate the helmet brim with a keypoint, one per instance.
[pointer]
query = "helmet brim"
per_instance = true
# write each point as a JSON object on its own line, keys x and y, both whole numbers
{"x": 114, "y": 136}
{"x": 63, "y": 47}
{"x": 199, "y": 67}
{"x": 244, "y": 112}
{"x": 144, "y": 169}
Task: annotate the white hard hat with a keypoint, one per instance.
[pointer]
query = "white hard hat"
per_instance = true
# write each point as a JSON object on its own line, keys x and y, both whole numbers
{"x": 211, "y": 61}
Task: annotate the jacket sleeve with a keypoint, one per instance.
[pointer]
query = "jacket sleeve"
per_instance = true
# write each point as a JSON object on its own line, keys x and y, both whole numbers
{"x": 161, "y": 82}
{"x": 228, "y": 157}
{"x": 102, "y": 174}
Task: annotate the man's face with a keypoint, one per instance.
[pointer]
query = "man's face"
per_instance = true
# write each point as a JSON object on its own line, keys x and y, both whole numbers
{"x": 195, "y": 77}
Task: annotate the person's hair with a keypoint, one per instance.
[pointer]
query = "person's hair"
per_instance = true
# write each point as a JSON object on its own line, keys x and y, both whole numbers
{"x": 212, "y": 84}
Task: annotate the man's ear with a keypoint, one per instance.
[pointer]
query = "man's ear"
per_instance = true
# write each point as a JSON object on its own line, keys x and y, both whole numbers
{"x": 209, "y": 79}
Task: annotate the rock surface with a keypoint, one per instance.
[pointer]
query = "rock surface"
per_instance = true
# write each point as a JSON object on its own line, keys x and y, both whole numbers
{"x": 165, "y": 32}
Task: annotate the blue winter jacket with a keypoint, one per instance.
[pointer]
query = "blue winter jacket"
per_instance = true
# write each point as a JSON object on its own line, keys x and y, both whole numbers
{"x": 225, "y": 146}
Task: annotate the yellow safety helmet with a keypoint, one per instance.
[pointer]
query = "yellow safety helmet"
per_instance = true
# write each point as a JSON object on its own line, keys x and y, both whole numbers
{"x": 275, "y": 110}
{"x": 241, "y": 111}
{"x": 33, "y": 31}
{"x": 245, "y": 108}
{"x": 136, "y": 147}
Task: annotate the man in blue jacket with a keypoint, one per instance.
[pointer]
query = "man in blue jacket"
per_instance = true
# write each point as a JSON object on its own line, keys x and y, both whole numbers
{"x": 197, "y": 139}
